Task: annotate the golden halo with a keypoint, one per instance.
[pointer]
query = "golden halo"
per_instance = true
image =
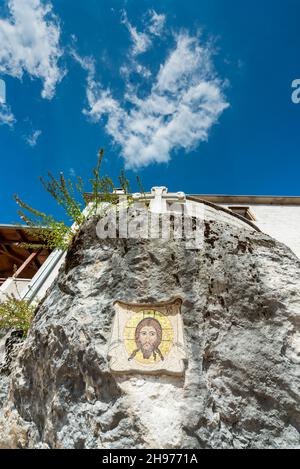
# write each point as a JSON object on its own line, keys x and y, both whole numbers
{"x": 167, "y": 335}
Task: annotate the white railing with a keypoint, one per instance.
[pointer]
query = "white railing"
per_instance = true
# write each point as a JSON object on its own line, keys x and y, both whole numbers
{"x": 13, "y": 286}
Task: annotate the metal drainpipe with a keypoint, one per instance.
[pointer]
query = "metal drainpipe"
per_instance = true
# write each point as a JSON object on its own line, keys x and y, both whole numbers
{"x": 42, "y": 274}
{"x": 45, "y": 270}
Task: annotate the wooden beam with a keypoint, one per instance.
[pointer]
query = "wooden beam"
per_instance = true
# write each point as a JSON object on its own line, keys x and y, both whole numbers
{"x": 7, "y": 250}
{"x": 26, "y": 263}
{"x": 25, "y": 240}
{"x": 12, "y": 256}
{"x": 17, "y": 243}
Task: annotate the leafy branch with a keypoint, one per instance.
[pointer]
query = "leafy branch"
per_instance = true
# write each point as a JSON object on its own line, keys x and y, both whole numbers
{"x": 71, "y": 197}
{"x": 16, "y": 314}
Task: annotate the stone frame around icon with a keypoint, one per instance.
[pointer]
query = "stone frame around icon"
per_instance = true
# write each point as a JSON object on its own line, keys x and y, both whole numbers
{"x": 147, "y": 338}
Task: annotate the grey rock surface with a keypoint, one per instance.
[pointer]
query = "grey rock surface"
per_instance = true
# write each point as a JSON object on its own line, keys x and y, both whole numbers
{"x": 241, "y": 314}
{"x": 4, "y": 379}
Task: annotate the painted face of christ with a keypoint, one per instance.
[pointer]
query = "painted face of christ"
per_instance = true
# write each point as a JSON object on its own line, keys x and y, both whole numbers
{"x": 147, "y": 339}
{"x": 148, "y": 336}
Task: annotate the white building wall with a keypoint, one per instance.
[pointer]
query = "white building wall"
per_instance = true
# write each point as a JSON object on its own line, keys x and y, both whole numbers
{"x": 281, "y": 222}
{"x": 13, "y": 287}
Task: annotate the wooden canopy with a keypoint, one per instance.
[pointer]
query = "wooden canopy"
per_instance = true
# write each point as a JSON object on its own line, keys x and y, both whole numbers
{"x": 15, "y": 259}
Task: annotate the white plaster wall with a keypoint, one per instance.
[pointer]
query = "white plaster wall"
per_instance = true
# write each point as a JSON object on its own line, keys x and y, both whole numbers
{"x": 282, "y": 222}
{"x": 13, "y": 287}
{"x": 210, "y": 213}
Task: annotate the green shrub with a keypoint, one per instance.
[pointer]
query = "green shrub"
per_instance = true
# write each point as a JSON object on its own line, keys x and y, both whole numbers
{"x": 71, "y": 197}
{"x": 16, "y": 314}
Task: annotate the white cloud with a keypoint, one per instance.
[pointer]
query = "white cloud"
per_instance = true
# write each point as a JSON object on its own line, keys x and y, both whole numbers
{"x": 2, "y": 92}
{"x": 185, "y": 100}
{"x": 132, "y": 66}
{"x": 33, "y": 138}
{"x": 185, "y": 65}
{"x": 29, "y": 41}
{"x": 6, "y": 116}
{"x": 87, "y": 63}
{"x": 157, "y": 23}
{"x": 141, "y": 42}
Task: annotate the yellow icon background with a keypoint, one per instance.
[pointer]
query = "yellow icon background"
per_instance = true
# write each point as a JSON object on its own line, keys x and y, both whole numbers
{"x": 167, "y": 335}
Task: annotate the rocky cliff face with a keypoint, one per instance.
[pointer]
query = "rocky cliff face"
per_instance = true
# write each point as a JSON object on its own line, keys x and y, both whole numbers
{"x": 241, "y": 315}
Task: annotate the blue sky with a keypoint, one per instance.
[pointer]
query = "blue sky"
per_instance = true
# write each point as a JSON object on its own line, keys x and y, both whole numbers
{"x": 194, "y": 95}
